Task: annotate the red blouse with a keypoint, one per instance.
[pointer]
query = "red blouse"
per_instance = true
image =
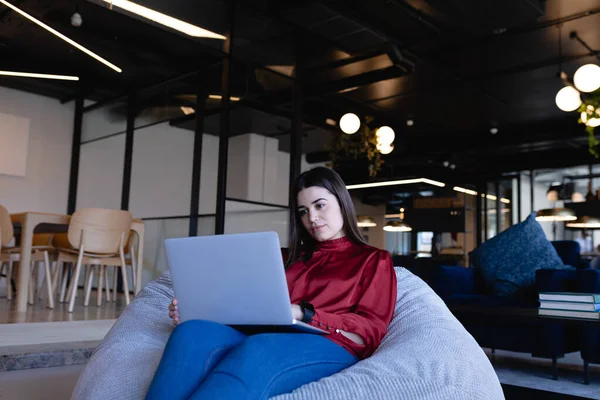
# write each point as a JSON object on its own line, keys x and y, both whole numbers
{"x": 352, "y": 287}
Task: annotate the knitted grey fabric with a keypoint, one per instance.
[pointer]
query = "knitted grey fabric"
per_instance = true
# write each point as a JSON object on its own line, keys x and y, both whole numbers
{"x": 426, "y": 354}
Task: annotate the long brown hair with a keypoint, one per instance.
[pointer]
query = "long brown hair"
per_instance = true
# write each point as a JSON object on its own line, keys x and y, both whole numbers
{"x": 301, "y": 243}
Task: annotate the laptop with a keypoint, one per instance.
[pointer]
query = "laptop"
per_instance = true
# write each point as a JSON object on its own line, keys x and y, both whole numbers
{"x": 236, "y": 279}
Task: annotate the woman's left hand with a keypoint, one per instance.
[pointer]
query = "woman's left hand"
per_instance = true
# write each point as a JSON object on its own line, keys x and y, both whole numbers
{"x": 297, "y": 313}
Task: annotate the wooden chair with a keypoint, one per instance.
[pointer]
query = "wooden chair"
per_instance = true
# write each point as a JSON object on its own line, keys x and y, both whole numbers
{"x": 130, "y": 252}
{"x": 11, "y": 255}
{"x": 61, "y": 241}
{"x": 96, "y": 237}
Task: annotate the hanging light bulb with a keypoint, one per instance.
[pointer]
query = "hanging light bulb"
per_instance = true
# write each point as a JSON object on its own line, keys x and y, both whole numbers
{"x": 385, "y": 148}
{"x": 568, "y": 99}
{"x": 385, "y": 135}
{"x": 350, "y": 123}
{"x": 591, "y": 122}
{"x": 587, "y": 78}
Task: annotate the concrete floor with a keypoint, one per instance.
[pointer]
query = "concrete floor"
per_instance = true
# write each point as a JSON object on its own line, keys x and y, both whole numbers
{"x": 521, "y": 369}
{"x": 39, "y": 384}
{"x": 512, "y": 368}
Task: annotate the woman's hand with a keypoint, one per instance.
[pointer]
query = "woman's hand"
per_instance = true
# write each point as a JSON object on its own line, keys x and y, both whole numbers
{"x": 297, "y": 313}
{"x": 173, "y": 312}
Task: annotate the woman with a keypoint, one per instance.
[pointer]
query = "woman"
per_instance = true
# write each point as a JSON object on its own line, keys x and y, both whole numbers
{"x": 336, "y": 282}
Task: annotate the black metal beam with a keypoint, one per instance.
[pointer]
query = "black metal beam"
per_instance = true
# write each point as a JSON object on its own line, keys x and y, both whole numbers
{"x": 531, "y": 188}
{"x": 75, "y": 155}
{"x": 224, "y": 124}
{"x": 485, "y": 213}
{"x": 126, "y": 189}
{"x": 297, "y": 128}
{"x": 197, "y": 160}
{"x": 319, "y": 89}
{"x": 519, "y": 189}
{"x": 343, "y": 8}
{"x": 478, "y": 218}
{"x": 418, "y": 15}
{"x": 498, "y": 207}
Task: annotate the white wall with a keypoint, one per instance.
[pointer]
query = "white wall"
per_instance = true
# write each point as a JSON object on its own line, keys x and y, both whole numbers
{"x": 103, "y": 122}
{"x": 161, "y": 173}
{"x": 101, "y": 173}
{"x": 45, "y": 186}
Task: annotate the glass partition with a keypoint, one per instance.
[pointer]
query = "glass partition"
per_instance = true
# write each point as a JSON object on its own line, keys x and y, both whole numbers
{"x": 156, "y": 231}
{"x": 245, "y": 217}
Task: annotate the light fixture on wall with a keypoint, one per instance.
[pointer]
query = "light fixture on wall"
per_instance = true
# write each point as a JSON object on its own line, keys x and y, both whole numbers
{"x": 165, "y": 20}
{"x": 365, "y": 221}
{"x": 555, "y": 215}
{"x": 61, "y": 36}
{"x": 39, "y": 76}
{"x": 584, "y": 223}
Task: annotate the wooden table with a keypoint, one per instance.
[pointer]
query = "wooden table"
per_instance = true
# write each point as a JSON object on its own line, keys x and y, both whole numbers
{"x": 28, "y": 222}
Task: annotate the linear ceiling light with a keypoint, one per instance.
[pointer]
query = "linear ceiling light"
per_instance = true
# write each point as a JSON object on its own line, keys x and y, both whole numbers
{"x": 394, "y": 183}
{"x": 463, "y": 190}
{"x": 219, "y": 97}
{"x": 60, "y": 35}
{"x": 474, "y": 193}
{"x": 42, "y": 76}
{"x": 163, "y": 19}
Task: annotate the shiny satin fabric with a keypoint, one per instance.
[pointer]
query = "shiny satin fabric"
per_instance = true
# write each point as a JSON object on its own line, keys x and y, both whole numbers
{"x": 353, "y": 289}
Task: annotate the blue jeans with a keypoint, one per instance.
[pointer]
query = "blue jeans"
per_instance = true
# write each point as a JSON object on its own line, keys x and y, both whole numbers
{"x": 206, "y": 360}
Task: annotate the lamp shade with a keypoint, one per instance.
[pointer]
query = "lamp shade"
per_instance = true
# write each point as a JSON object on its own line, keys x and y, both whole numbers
{"x": 396, "y": 226}
{"x": 568, "y": 99}
{"x": 365, "y": 221}
{"x": 385, "y": 135}
{"x": 587, "y": 78}
{"x": 555, "y": 215}
{"x": 385, "y": 148}
{"x": 350, "y": 123}
{"x": 592, "y": 122}
{"x": 584, "y": 223}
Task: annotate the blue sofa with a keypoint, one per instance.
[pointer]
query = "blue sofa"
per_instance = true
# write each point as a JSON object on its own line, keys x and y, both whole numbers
{"x": 459, "y": 286}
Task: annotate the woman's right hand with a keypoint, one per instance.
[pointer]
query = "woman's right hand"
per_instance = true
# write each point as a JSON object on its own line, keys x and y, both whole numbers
{"x": 173, "y": 312}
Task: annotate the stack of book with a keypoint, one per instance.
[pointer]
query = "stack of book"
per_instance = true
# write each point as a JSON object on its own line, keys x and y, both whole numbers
{"x": 570, "y": 304}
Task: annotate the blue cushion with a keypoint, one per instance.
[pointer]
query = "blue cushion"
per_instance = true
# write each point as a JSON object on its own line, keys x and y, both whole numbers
{"x": 509, "y": 260}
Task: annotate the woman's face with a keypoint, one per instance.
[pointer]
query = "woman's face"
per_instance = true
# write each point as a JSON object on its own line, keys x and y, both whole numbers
{"x": 320, "y": 213}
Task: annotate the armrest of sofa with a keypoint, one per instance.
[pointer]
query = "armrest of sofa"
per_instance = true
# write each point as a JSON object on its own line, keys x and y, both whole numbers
{"x": 453, "y": 280}
{"x": 556, "y": 280}
{"x": 584, "y": 264}
{"x": 588, "y": 281}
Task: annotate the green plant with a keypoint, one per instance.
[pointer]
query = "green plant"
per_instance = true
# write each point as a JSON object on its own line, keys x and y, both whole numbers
{"x": 361, "y": 144}
{"x": 590, "y": 108}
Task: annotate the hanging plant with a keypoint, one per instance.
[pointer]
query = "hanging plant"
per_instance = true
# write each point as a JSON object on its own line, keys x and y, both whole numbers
{"x": 589, "y": 115}
{"x": 361, "y": 144}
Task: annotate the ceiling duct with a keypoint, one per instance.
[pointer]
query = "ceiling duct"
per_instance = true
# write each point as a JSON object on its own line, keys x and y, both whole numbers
{"x": 400, "y": 59}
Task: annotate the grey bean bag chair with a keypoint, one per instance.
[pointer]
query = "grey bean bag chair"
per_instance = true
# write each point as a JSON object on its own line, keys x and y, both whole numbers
{"x": 426, "y": 354}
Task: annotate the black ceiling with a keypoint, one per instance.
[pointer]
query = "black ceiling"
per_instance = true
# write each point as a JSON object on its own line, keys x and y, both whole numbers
{"x": 455, "y": 67}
